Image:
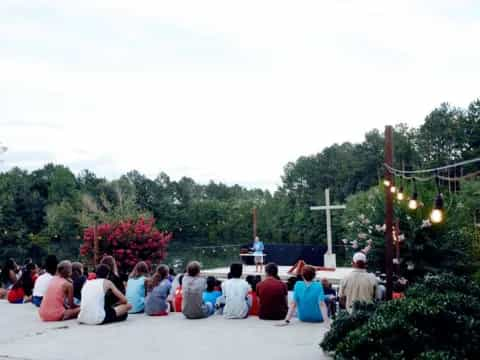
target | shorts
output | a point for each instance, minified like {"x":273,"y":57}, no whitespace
{"x":111,"y":316}
{"x":258,"y":259}
{"x":37,"y":300}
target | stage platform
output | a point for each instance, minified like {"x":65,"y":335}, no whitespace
{"x":333,"y":276}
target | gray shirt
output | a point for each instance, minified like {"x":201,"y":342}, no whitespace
{"x":156,"y":300}
{"x":192,"y":289}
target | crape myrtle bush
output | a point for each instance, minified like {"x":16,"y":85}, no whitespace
{"x":128,"y":241}
{"x":438,"y":319}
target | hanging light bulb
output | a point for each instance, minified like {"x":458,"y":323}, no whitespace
{"x":413,"y":202}
{"x":387,"y":182}
{"x":436,"y":215}
{"x":393,"y":189}
{"x":400,"y":194}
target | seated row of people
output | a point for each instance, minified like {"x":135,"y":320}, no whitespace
{"x":67,"y":292}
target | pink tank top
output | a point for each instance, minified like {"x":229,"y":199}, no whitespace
{"x":52,"y":307}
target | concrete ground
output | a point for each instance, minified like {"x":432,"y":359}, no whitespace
{"x":23,"y":336}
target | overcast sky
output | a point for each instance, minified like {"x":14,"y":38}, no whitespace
{"x":223,"y":90}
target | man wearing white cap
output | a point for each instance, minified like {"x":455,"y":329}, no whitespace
{"x":358,"y":285}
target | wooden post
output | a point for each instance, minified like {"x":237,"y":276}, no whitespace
{"x":254,"y":222}
{"x":389,"y":212}
{"x":397,"y":247}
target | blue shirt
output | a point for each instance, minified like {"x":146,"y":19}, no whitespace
{"x":211,"y":297}
{"x":136,"y":294}
{"x":258,"y":248}
{"x":307,"y":299}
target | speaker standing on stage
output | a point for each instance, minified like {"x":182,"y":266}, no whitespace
{"x":258,"y":254}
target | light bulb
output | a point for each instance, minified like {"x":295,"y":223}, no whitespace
{"x":413,"y":204}
{"x":400,"y":195}
{"x":393,"y":189}
{"x":386,"y":182}
{"x":436,"y":216}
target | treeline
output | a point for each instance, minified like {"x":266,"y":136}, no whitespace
{"x":46,"y":210}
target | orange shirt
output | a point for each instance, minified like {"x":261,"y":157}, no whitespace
{"x":255,"y":303}
{"x":53,"y":308}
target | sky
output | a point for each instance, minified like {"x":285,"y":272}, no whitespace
{"x":228,"y":91}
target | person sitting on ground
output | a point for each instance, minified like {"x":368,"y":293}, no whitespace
{"x":273,"y":295}
{"x":235,"y":290}
{"x":193,"y":287}
{"x":177,"y":294}
{"x":211,"y":293}
{"x":78,"y":280}
{"x":308,"y":299}
{"x":8,"y":277}
{"x":43,"y":281}
{"x":114,"y":277}
{"x":330,"y":296}
{"x":57,"y":303}
{"x":173,"y":291}
{"x":358,"y":285}
{"x":253,"y":281}
{"x":94,"y":310}
{"x":21,"y":291}
{"x":158,"y":288}
{"x":136,"y":287}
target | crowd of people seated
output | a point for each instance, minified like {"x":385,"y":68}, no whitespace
{"x":65,"y":290}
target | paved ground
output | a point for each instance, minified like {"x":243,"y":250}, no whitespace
{"x":24,"y":336}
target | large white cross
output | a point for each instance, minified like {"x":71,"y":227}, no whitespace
{"x":329,"y":257}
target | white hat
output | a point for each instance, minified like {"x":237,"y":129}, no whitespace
{"x":359,"y":256}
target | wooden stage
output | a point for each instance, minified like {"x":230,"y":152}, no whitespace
{"x":333,"y":276}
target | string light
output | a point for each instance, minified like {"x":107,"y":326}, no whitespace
{"x":393,"y":189}
{"x":413,"y":202}
{"x":436,"y":216}
{"x":400,"y":194}
{"x":387,"y":182}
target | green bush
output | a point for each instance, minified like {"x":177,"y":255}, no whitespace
{"x":439,"y":319}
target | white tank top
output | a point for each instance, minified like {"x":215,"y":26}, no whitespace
{"x":92,"y":307}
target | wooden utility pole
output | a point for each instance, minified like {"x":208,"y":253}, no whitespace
{"x":389,"y":211}
{"x":254,"y":222}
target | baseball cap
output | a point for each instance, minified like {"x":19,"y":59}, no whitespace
{"x":359,"y":256}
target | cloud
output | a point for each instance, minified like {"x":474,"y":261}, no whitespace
{"x":220,"y":90}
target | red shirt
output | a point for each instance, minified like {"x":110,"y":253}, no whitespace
{"x":255,"y":304}
{"x":177,"y":301}
{"x":273,"y":299}
{"x":16,"y":295}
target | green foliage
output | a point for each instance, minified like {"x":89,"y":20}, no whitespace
{"x":439,"y":319}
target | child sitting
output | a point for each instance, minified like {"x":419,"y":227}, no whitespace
{"x":158,"y":288}
{"x":212,"y":293}
{"x":253,"y":281}
{"x":178,"y":295}
{"x":136,"y":287}
{"x":235,"y":290}
{"x":21,"y":291}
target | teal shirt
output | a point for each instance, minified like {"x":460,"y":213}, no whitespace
{"x":307,"y":300}
{"x":136,"y":294}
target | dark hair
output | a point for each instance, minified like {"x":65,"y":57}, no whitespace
{"x":271,"y":269}
{"x":236,"y":270}
{"x":102,"y":271}
{"x":26,"y":281}
{"x":193,"y":268}
{"x":171,"y":271}
{"x":291,"y":282}
{"x":180,"y":279}
{"x":110,"y":261}
{"x":308,"y":273}
{"x":51,"y":263}
{"x":77,"y":269}
{"x":253,"y":281}
{"x":9,"y":266}
{"x":211,"y":283}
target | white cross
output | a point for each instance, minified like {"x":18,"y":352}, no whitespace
{"x":329,"y":260}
